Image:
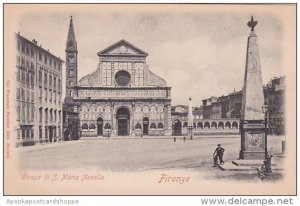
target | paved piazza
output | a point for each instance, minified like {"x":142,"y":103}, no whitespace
{"x":128,"y":154}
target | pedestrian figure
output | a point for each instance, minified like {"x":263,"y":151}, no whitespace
{"x":218,"y":154}
{"x":184,"y":138}
{"x":174,"y":139}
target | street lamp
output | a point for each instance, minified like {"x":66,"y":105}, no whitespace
{"x":267,"y":162}
{"x":265,"y":111}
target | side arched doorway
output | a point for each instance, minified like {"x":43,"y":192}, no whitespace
{"x":145,"y":126}
{"x":177,"y":127}
{"x":99,"y":126}
{"x":123,"y":117}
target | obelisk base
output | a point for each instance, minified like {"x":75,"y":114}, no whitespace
{"x":253,"y":140}
{"x":190,"y":132}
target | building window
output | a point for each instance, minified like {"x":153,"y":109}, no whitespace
{"x":18,"y":75}
{"x":23,"y":133}
{"x":22,"y":62}
{"x":153,"y":126}
{"x":51,"y":116}
{"x":32,"y":66}
{"x":22,"y":94}
{"x":50,"y":96}
{"x":28,"y":113}
{"x":58,"y":84}
{"x":54,"y":83}
{"x":46,"y":132}
{"x":160,"y":126}
{"x":27,"y":133}
{"x":84,"y":126}
{"x":32,"y":79}
{"x":59,"y":116}
{"x":138,"y":126}
{"x":45,"y":79}
{"x":50,"y":81}
{"x":18,"y":113}
{"x":40,"y":94}
{"x":46,"y":115}
{"x":23,"y":48}
{"x":40,"y":114}
{"x":27,"y":64}
{"x":32,"y":52}
{"x":46,"y":59}
{"x":40,"y":56}
{"x":27,"y":49}
{"x":92,"y":126}
{"x":27,"y":77}
{"x":22,"y":118}
{"x":40,"y":77}
{"x":18,"y":45}
{"x":18,"y":93}
{"x":28,"y":96}
{"x":32,"y":96}
{"x":107,"y":126}
{"x":32,"y":114}
{"x":40,"y":132}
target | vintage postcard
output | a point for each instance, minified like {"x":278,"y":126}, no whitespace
{"x":149,"y":99}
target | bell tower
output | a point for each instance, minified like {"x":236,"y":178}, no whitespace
{"x":71,"y":61}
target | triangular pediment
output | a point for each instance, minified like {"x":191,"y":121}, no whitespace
{"x":122,"y":47}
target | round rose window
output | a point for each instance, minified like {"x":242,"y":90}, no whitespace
{"x":122,"y":78}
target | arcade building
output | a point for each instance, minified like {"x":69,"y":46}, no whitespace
{"x":122,"y":97}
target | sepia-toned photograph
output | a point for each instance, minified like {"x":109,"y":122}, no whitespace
{"x":149,"y":99}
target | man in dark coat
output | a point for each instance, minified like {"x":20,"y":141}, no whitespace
{"x":218,"y":154}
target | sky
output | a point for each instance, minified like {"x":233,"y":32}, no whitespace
{"x":199,"y":52}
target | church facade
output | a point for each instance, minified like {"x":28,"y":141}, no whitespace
{"x":122,"y":97}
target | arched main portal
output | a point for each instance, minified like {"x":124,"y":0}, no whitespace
{"x":123,"y":117}
{"x":99,"y":126}
{"x":145,"y":126}
{"x":177,"y":127}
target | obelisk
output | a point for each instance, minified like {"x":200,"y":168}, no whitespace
{"x":252,"y":117}
{"x":190,"y":120}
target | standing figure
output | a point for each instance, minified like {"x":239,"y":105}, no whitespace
{"x":184,"y":138}
{"x":218,"y":154}
{"x":174,"y":139}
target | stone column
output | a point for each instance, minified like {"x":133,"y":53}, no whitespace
{"x":132,"y":117}
{"x":113,"y":125}
{"x":190,"y":120}
{"x":252,"y":117}
{"x":168,"y":121}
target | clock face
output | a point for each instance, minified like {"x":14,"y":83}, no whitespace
{"x":70,"y":44}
